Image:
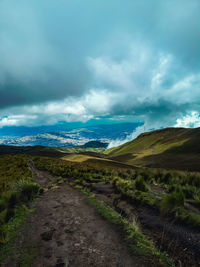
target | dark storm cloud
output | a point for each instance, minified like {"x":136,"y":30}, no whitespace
{"x":103,"y":57}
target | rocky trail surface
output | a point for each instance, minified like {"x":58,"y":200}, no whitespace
{"x":68,"y":232}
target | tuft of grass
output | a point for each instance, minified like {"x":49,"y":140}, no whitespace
{"x":171,"y":202}
{"x":188,"y":217}
{"x":137,"y":242}
{"x":11,"y":200}
{"x":136,"y":191}
{"x":10,"y":231}
{"x":29,"y":191}
{"x":9,"y":214}
{"x":140,"y":184}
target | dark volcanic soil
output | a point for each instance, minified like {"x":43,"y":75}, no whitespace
{"x":181,"y":243}
{"x":69,"y":232}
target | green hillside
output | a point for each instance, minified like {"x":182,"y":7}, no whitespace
{"x":176,"y":148}
{"x":47,"y":151}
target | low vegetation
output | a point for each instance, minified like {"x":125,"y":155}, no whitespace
{"x":178,"y":187}
{"x":175,"y":195}
{"x":12,"y":170}
{"x":16,"y":191}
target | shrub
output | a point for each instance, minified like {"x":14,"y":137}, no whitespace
{"x":9,"y":214}
{"x":29,"y":191}
{"x":173,"y":188}
{"x":3,"y":236}
{"x":158,"y":175}
{"x":190,"y":218}
{"x":140,"y":184}
{"x":170,"y":202}
{"x":167,"y":177}
{"x":13,"y":200}
{"x":190,"y":191}
{"x":146,"y":175}
{"x":193,"y":179}
{"x":141,"y":198}
{"x":2,"y":204}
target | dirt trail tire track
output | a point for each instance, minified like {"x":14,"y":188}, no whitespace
{"x":69,"y":232}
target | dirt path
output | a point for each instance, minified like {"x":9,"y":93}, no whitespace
{"x":68,"y":232}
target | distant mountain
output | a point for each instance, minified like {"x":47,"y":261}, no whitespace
{"x":69,"y":137}
{"x":173,"y":148}
{"x":95,"y":144}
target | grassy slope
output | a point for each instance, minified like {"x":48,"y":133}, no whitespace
{"x":46,"y":151}
{"x":95,"y":159}
{"x":176,"y":148}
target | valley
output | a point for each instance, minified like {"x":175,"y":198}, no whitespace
{"x":63,"y":137}
{"x":89,"y":207}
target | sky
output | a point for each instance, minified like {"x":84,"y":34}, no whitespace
{"x":79,"y":61}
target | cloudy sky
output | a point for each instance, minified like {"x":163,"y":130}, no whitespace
{"x":75,"y":60}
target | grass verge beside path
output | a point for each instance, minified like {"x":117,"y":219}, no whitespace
{"x":137,"y":242}
{"x":13,"y":228}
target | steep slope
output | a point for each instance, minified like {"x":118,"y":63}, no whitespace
{"x":176,"y":148}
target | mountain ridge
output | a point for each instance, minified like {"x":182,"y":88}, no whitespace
{"x":176,"y":148}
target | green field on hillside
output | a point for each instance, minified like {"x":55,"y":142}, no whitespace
{"x":172,"y":148}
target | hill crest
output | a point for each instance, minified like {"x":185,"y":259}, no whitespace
{"x":176,"y":148}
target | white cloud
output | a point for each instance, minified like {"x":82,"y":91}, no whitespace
{"x":145,"y":78}
{"x":70,"y":109}
{"x":160,"y":72}
{"x":191,"y":120}
{"x":99,"y":101}
{"x":112,"y":73}
{"x":118,"y":142}
{"x":137,"y":85}
{"x":16,"y":120}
